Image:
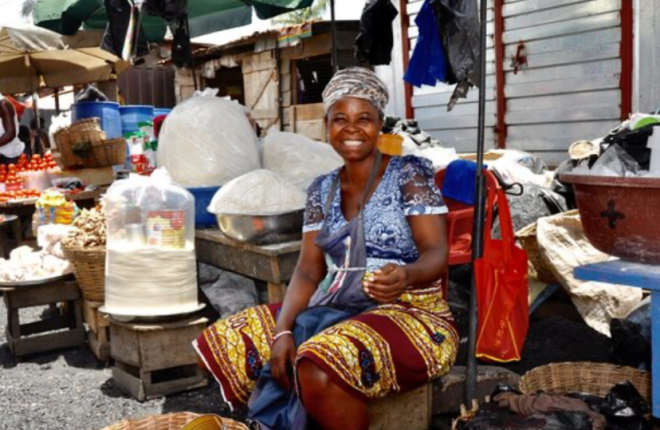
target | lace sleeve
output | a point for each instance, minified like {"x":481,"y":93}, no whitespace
{"x":314,"y":207}
{"x":420,"y":194}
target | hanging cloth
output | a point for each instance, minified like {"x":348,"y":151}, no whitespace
{"x":373,"y":45}
{"x":182,"y":55}
{"x":458,"y":25}
{"x":339,"y":297}
{"x":121,"y":18}
{"x":428,"y":64}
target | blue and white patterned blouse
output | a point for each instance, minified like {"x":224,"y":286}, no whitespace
{"x":407,"y":188}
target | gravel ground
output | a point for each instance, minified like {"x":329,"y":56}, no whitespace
{"x":71,"y":390}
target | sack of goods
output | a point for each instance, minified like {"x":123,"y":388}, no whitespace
{"x":299,"y":158}
{"x":207,"y":141}
{"x":151,"y":267}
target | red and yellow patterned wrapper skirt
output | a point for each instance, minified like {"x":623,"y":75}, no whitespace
{"x":390,"y":348}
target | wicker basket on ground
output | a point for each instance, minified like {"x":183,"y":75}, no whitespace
{"x":586,"y":377}
{"x":89,"y":268}
{"x":175,"y":421}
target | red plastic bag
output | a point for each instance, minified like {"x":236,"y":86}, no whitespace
{"x":502,"y":290}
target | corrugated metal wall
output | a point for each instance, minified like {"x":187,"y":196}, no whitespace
{"x":457,"y":128}
{"x":570,"y":89}
{"x":148,"y":86}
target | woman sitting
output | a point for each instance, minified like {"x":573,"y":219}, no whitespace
{"x":363,"y":315}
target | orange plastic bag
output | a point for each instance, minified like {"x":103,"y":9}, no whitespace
{"x":502,"y":290}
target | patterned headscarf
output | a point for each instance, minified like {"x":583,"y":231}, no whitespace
{"x":356,"y":82}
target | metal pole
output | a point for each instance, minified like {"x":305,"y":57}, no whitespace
{"x":57,"y":101}
{"x":478,"y":227}
{"x":280,"y":99}
{"x":333,"y":31}
{"x":37,"y":136}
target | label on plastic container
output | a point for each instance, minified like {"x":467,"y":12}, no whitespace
{"x":166,"y":229}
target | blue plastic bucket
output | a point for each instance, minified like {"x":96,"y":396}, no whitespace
{"x":132,"y":115}
{"x":161,"y":111}
{"x":203,"y":197}
{"x":107,"y":112}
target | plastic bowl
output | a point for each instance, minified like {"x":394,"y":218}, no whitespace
{"x":620,"y":215}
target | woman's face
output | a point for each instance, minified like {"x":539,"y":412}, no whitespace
{"x":353,"y":127}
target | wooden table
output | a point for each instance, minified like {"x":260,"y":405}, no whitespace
{"x":638,"y":275}
{"x":35,"y":337}
{"x":273,"y":264}
{"x":25,"y":209}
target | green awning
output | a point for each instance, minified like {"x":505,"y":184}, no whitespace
{"x":205,"y":16}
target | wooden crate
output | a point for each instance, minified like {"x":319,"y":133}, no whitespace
{"x":62,"y":330}
{"x":98,"y":333}
{"x":155,"y":360}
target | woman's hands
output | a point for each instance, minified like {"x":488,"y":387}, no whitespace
{"x":387,"y":283}
{"x":282,"y":359}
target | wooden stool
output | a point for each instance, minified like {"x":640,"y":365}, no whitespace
{"x":154,"y":360}
{"x":69,"y":317}
{"x":98,"y":335}
{"x":409,"y":411}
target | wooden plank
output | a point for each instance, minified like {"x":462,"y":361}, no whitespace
{"x":129,"y":383}
{"x":563,"y":86}
{"x":574,"y":100}
{"x":46,"y":294}
{"x":312,"y":129}
{"x":245,"y":261}
{"x":168,"y":348}
{"x":286,"y":98}
{"x":276,"y":292}
{"x":567,"y":42}
{"x":574,"y":26}
{"x":49,"y":342}
{"x":310,"y":112}
{"x":124,"y":344}
{"x":312,"y":47}
{"x":563,"y":13}
{"x":92,"y":316}
{"x":583,"y":113}
{"x":260,"y":114}
{"x":154,"y":391}
{"x":99,"y":344}
{"x":441,"y":99}
{"x":572,"y":56}
{"x":50,"y":324}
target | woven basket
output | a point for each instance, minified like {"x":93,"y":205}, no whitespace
{"x":171,"y":422}
{"x":529,"y":242}
{"x":100,"y":154}
{"x":586,"y":377}
{"x":89,"y":268}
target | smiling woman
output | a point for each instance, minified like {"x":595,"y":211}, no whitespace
{"x":363,"y":315}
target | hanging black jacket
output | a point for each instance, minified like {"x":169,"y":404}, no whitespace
{"x":373,"y":45}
